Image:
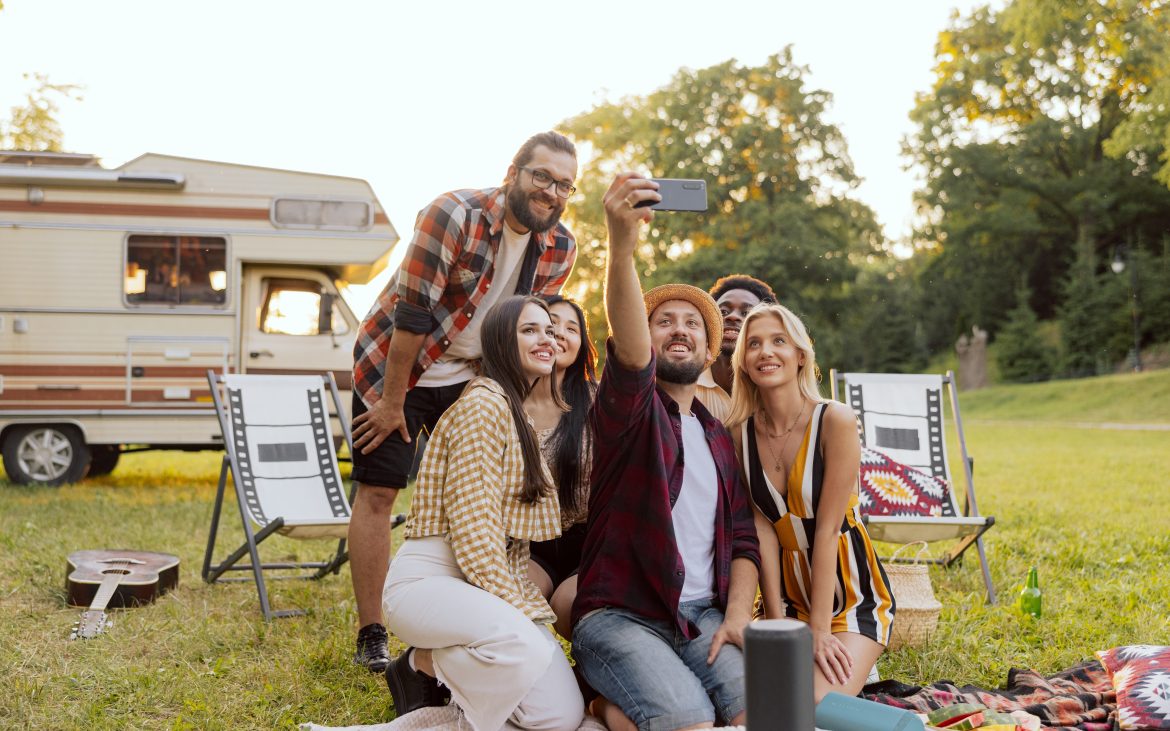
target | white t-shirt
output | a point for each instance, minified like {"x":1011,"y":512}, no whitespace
{"x":452,"y":367}
{"x":694,"y":513}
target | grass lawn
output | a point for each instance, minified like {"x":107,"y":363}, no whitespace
{"x":1131,"y":398}
{"x":1088,"y":506}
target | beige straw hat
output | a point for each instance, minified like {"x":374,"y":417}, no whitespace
{"x":712,"y":318}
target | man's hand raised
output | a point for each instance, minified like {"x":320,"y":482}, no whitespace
{"x":621,"y":217}
{"x":623,"y":290}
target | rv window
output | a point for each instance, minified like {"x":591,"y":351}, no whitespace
{"x":176,"y":270}
{"x":315,"y":213}
{"x":300,"y":307}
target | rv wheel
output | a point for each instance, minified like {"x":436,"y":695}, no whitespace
{"x":103,"y":458}
{"x":45,"y":454}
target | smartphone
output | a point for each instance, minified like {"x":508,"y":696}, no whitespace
{"x":679,"y":194}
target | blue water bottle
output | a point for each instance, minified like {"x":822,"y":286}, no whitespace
{"x":840,"y":712}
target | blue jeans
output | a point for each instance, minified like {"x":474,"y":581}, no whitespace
{"x":660,"y":679}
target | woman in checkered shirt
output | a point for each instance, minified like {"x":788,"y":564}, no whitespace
{"x":458,"y":590}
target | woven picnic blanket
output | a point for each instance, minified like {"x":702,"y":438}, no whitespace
{"x":1079,"y":698}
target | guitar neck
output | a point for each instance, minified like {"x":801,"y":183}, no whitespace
{"x":105,"y":591}
{"x":93,"y":620}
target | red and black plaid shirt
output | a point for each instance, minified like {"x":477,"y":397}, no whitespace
{"x":630,"y":559}
{"x":447,"y":269}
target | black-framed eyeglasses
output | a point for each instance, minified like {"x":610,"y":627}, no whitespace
{"x":542,"y":180}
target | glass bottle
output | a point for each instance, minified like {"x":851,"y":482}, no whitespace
{"x":1030,"y":598}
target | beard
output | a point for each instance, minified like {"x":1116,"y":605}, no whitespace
{"x":517,"y":201}
{"x":683,"y":374}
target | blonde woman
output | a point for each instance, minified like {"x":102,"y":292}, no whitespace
{"x":800,"y":456}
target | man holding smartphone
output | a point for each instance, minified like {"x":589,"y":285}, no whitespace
{"x":670,"y":562}
{"x":420,"y":343}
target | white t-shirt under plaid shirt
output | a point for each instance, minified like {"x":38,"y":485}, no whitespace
{"x":468,"y":491}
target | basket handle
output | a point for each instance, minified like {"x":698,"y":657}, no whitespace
{"x":917,"y":556}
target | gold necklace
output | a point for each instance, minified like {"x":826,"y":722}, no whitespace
{"x":785,"y":434}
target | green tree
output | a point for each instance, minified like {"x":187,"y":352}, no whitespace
{"x":1154,"y":289}
{"x":1144,"y":135}
{"x":883,"y":322}
{"x":1012,"y":136}
{"x":1080,"y":323}
{"x":34,"y":125}
{"x":1094,"y":319}
{"x":1021,"y":353}
{"x":778,"y":181}
{"x":1141,"y":290}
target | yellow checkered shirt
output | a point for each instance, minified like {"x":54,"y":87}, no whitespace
{"x":468,"y":491}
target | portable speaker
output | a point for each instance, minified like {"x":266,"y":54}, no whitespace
{"x":777,"y":655}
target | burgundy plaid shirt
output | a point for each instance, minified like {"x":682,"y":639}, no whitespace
{"x":630,"y":559}
{"x":447,"y":269}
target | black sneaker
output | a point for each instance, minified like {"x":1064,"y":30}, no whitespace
{"x":372,"y":651}
{"x":412,"y":690}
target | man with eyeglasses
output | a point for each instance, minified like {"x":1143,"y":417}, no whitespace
{"x":420,"y":343}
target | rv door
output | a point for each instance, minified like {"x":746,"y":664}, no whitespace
{"x":295,"y":322}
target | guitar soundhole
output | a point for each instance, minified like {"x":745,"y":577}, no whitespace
{"x":123,"y":572}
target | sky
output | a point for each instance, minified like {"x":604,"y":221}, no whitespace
{"x":423,"y":97}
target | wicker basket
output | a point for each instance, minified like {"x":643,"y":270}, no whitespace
{"x":917,"y":609}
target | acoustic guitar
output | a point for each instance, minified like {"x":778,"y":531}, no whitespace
{"x":102,"y":579}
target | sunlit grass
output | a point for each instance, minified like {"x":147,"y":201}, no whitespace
{"x":201,"y":657}
{"x":1122,"y":398}
{"x":1088,"y":506}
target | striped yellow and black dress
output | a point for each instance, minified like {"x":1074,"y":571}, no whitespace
{"x":862,"y":600}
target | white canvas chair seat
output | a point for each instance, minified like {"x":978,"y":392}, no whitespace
{"x":909,"y":528}
{"x":901,"y":416}
{"x":279,"y":450}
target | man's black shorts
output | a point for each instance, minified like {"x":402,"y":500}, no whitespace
{"x":389,"y":465}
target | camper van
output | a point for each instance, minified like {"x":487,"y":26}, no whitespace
{"x":121,"y":287}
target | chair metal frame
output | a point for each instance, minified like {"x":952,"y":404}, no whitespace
{"x":253,"y":538}
{"x":970,"y":505}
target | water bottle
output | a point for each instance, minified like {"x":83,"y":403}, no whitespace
{"x":839,"y":712}
{"x":1030,"y":595}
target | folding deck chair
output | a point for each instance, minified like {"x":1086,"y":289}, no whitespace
{"x":280,"y":452}
{"x":901,"y":417}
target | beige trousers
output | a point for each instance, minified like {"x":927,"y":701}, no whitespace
{"x":504,"y":671}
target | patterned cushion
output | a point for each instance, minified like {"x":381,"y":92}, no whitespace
{"x":892,"y":488}
{"x":1141,"y":677}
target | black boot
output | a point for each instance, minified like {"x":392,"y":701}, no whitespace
{"x":411,"y":689}
{"x":372,"y":651}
